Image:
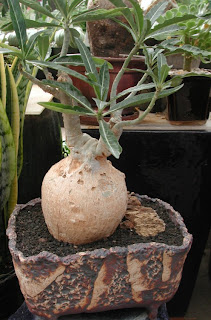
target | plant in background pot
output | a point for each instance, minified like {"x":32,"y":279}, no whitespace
{"x":85,"y":199}
{"x":14,"y":94}
{"x":191,"y":44}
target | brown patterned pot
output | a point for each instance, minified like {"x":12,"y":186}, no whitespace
{"x":139,"y":275}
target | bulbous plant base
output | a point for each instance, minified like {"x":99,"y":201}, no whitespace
{"x":83,"y":203}
{"x":133,"y":276}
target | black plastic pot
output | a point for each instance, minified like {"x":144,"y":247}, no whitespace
{"x":190,"y":105}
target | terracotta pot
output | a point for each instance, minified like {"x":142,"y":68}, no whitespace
{"x":139,"y":275}
{"x":190,"y":105}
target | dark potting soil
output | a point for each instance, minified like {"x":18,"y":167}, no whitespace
{"x":33,"y":236}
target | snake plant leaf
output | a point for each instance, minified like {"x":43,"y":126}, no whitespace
{"x":33,"y":4}
{"x":3,"y":86}
{"x":59,"y":107}
{"x":104,"y":80}
{"x":55,"y":66}
{"x":18,"y":23}
{"x":156,"y":11}
{"x":140,"y":99}
{"x":109,"y":139}
{"x":8,"y":155}
{"x":72,"y":92}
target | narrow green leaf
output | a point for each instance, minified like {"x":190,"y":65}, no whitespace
{"x":161,"y":33}
{"x":73,"y":5}
{"x":18,"y":23}
{"x":109,"y":139}
{"x":76,"y":60}
{"x":12,"y":50}
{"x":3,"y":85}
{"x":59,"y":107}
{"x":105,"y":81}
{"x":146,"y":86}
{"x":55,"y":66}
{"x":61,"y":5}
{"x":43,"y":46}
{"x":72,"y":92}
{"x":33,"y":4}
{"x":156,"y":11}
{"x":87,"y":58}
{"x":31,"y":42}
{"x":139,"y":17}
{"x":126,"y":13}
{"x":94,"y":15}
{"x":31,"y":24}
{"x":140,"y":99}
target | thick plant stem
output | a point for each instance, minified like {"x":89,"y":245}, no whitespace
{"x":187,"y":63}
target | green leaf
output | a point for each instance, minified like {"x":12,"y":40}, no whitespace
{"x":126,"y":13}
{"x":31,"y":24}
{"x":18,"y":23}
{"x":137,"y":88}
{"x":139,"y":17}
{"x":105,"y":81}
{"x":73,"y":5}
{"x":31,"y":42}
{"x":140,"y":99}
{"x":61,"y":5}
{"x":8,"y":163}
{"x":43,"y":45}
{"x":163,"y":68}
{"x":59,"y":107}
{"x":76,"y":60}
{"x":87,"y":58}
{"x":156,"y":11}
{"x":12,"y":50}
{"x":37,"y":7}
{"x":94,"y":15}
{"x":55,"y":66}
{"x":72,"y":92}
{"x":163,"y":32}
{"x":109,"y":139}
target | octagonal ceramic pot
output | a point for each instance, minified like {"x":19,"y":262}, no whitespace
{"x":139,"y":275}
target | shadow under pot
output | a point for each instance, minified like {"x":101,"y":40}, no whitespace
{"x":190,"y":105}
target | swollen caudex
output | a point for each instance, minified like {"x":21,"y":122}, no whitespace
{"x":83,"y":203}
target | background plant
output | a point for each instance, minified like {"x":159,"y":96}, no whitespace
{"x":193,"y":38}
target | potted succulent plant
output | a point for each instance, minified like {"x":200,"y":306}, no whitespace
{"x":190,"y":45}
{"x":84,"y":198}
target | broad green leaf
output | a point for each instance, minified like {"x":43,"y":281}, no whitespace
{"x":109,"y":139}
{"x":55,"y":66}
{"x":59,"y":107}
{"x":37,"y":7}
{"x":72,"y":92}
{"x":156,"y":11}
{"x":104,"y":80}
{"x":8,"y":163}
{"x":18,"y":23}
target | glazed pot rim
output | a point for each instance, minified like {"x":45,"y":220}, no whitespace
{"x":102,"y":252}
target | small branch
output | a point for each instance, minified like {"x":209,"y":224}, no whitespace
{"x":141,"y":116}
{"x":39,"y":83}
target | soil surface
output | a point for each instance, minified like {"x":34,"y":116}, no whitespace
{"x":33,"y":236}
